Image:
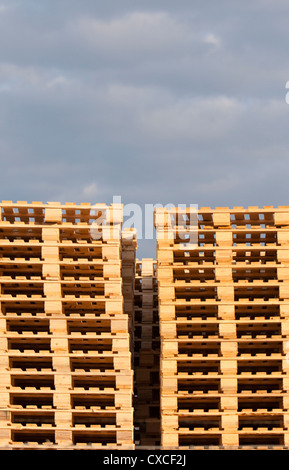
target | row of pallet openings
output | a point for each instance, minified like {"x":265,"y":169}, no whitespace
{"x":187,"y":297}
{"x":64,"y":252}
{"x":209,"y":274}
{"x":73,"y":307}
{"x":15,"y":324}
{"x":87,"y":213}
{"x":81,"y":272}
{"x":235,"y":237}
{"x":38,"y":213}
{"x":221,"y":217}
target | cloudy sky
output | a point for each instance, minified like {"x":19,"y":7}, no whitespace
{"x":157,"y":101}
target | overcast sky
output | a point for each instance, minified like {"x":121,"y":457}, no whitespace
{"x":157,"y":101}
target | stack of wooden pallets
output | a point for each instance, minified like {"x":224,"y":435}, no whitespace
{"x":205,"y":328}
{"x":128,"y":268}
{"x":224,"y":326}
{"x":146,"y":356}
{"x":66,"y":378}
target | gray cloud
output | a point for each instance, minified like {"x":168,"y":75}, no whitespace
{"x":155,"y":101}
